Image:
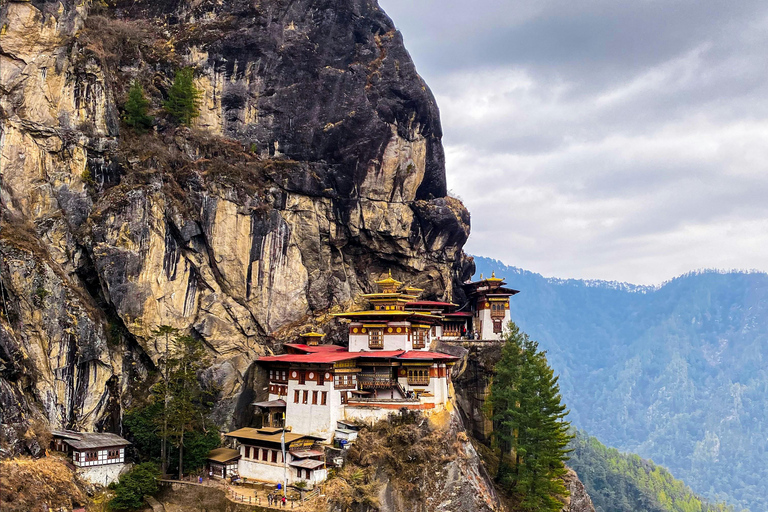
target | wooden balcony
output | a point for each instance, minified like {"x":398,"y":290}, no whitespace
{"x":376,"y":381}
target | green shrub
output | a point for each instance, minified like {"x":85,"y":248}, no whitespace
{"x":87,"y":177}
{"x":133,"y":486}
{"x":40,"y":294}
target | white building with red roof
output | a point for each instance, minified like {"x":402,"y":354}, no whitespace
{"x":390,"y":365}
{"x":387,"y":367}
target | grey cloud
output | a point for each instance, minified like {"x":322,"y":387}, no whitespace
{"x":603,"y":139}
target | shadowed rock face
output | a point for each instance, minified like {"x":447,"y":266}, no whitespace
{"x":315,"y":165}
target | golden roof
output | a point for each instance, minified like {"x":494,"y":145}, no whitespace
{"x":493,"y":277}
{"x":388,"y":296}
{"x":388,"y":280}
{"x":387,"y":313}
{"x":312,"y":334}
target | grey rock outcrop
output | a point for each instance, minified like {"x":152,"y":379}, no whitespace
{"x":315,"y":165}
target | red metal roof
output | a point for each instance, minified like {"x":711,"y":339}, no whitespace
{"x":311,"y":349}
{"x":332,"y":357}
{"x":459,"y":313}
{"x":422,"y":354}
{"x":320,"y":357}
{"x":380,"y":353}
{"x":430,"y":303}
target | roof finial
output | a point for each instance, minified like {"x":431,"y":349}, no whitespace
{"x":390,"y":272}
{"x":481,"y":276}
{"x":493,"y":274}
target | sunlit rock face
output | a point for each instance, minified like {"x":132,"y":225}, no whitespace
{"x":315,"y":166}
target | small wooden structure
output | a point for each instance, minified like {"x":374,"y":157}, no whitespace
{"x":98,"y":456}
{"x":222,"y":462}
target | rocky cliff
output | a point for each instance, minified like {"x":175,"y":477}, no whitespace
{"x":315,"y":165}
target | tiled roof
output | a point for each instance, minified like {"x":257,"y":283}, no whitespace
{"x":379,"y":353}
{"x":270,"y":403}
{"x":91,"y":440}
{"x":255,"y":434}
{"x":320,"y":357}
{"x":332,"y":357}
{"x":423,"y":354}
{"x":223,"y":454}
{"x":430,"y":303}
{"x":307,"y":463}
{"x":303,"y":454}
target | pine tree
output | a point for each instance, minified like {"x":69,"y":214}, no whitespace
{"x":530,"y":430}
{"x":189,"y":402}
{"x":183,"y":97}
{"x":164,"y":332}
{"x":136,"y":109}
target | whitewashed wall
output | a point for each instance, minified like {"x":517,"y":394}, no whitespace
{"x":78,"y":458}
{"x":104,"y":474}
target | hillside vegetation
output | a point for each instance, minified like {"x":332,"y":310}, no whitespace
{"x":619,"y":482}
{"x":676,"y":374}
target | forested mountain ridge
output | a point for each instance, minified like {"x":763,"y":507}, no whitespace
{"x":675,"y":373}
{"x":621,"y":482}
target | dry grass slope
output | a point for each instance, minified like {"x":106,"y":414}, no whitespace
{"x":27,"y":484}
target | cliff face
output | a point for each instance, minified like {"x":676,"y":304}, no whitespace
{"x":315,"y":165}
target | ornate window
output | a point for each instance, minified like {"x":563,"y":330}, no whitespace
{"x":497,"y":309}
{"x":419,"y":338}
{"x":375,"y":338}
{"x":418,"y":376}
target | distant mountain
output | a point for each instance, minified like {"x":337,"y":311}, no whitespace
{"x":675,"y":373}
{"x":620,"y":482}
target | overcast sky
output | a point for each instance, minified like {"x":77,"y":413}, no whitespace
{"x":622,"y":140}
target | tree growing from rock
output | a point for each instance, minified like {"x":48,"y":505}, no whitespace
{"x":530,"y":430}
{"x":183,"y":97}
{"x":136,"y":109}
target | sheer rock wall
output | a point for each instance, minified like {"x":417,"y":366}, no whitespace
{"x":315,"y":166}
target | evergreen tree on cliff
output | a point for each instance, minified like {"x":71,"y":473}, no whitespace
{"x":530,"y":430}
{"x":183,"y":97}
{"x":136,"y":109}
{"x":189,"y":403}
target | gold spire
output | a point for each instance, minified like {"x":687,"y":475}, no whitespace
{"x":494,"y":278}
